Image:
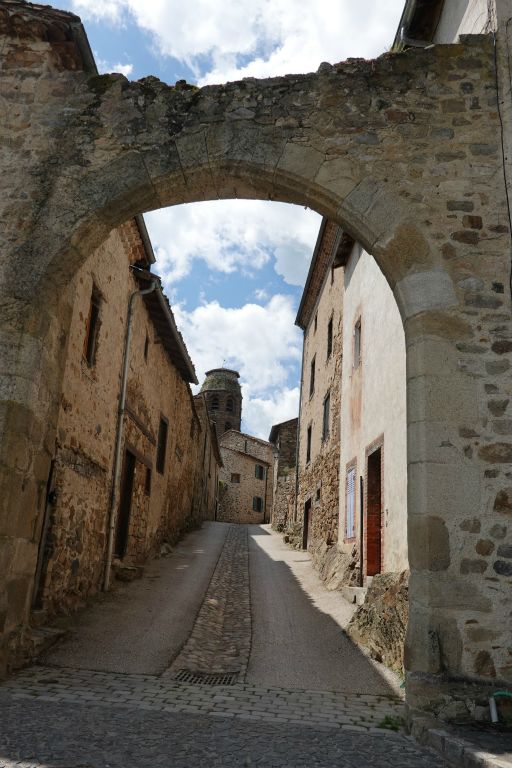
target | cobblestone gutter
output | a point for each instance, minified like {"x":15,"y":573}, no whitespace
{"x":220,"y":642}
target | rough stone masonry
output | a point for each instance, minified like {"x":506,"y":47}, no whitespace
{"x":404,"y":152}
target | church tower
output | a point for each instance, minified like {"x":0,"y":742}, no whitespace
{"x":224,"y":399}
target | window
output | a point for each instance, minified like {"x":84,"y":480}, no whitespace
{"x":257,"y":504}
{"x":316,"y":323}
{"x":308,"y":446}
{"x":318,"y":493}
{"x":350,"y":507}
{"x":147,"y":482}
{"x":146,"y":348}
{"x":312,"y":377}
{"x":326,"y":415}
{"x":329,"y":339}
{"x":230,"y":405}
{"x":161,"y":445}
{"x":235,"y":477}
{"x":93,"y":326}
{"x":215,"y":403}
{"x":228,"y":425}
{"x":259,"y":472}
{"x":357,"y":344}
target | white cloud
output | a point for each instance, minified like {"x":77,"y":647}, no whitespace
{"x":260,"y":413}
{"x":261,"y":342}
{"x":105,"y":66}
{"x":258,"y":38}
{"x":228,"y":235}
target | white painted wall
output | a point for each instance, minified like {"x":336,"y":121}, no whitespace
{"x":464,"y":17}
{"x":373,"y":400}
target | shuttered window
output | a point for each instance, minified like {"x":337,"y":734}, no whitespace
{"x":350,"y":508}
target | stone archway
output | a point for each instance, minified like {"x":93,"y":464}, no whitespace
{"x":405,"y":153}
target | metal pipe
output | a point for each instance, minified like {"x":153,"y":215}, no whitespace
{"x":116,"y":470}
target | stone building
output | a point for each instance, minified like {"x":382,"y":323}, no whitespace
{"x":246,"y":479}
{"x":284,"y":439}
{"x":208,"y":477}
{"x":320,"y":317}
{"x":409,"y":153}
{"x":224,"y":398}
{"x":158,"y":469}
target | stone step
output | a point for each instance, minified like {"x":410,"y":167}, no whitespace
{"x":354,"y":595}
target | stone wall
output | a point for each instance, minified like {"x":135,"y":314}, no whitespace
{"x":406,"y":153}
{"x":284,"y":439}
{"x":319,"y":477}
{"x":380,"y":623}
{"x":241,"y":454}
{"x":74,"y":540}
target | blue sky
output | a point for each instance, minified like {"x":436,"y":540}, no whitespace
{"x":234,"y":270}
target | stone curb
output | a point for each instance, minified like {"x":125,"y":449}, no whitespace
{"x":458,"y":752}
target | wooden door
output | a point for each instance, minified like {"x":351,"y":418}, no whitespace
{"x":125,"y":505}
{"x":374,"y":513}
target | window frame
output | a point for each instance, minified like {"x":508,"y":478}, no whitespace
{"x":161,"y":444}
{"x":235,"y":475}
{"x":312,"y":371}
{"x":259,"y":471}
{"x":357,"y":345}
{"x":329,"y":337}
{"x":350,"y":517}
{"x":257,"y":504}
{"x":309,"y":440}
{"x":92,"y":327}
{"x":326,"y":417}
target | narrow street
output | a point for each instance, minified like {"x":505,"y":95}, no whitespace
{"x":230,"y":631}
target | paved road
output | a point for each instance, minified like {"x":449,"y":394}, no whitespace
{"x":108,"y":698}
{"x":141,"y":626}
{"x":297,"y":634}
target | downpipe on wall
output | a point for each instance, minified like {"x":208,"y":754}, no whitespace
{"x":116,"y":471}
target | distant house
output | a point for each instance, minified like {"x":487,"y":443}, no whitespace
{"x":246,"y":479}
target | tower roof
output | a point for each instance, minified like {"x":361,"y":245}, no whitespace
{"x":221,"y":379}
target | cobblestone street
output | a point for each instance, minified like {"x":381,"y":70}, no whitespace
{"x":55,"y":714}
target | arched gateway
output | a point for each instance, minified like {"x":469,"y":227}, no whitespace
{"x":405,"y":152}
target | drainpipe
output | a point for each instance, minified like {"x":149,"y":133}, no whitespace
{"x":116,"y":471}
{"x":297,"y":449}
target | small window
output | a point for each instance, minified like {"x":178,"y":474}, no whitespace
{"x":329,"y":339}
{"x":147,"y":482}
{"x":257,"y":504}
{"x":350,"y":504}
{"x":318,"y":494}
{"x":93,"y":326}
{"x":259,"y":472}
{"x":146,"y":348}
{"x":228,"y":425}
{"x":161,"y":445}
{"x":215,"y":403}
{"x":326,"y":417}
{"x":316,"y":323}
{"x":312,"y":377}
{"x":235,"y":477}
{"x":357,"y":344}
{"x":230,"y":405}
{"x":308,"y":446}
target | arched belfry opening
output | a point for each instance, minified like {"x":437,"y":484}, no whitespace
{"x":389,"y":149}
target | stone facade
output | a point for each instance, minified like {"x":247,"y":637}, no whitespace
{"x":321,"y":318}
{"x":408,"y":154}
{"x":284,"y":439}
{"x":373,"y":422}
{"x":246,"y":479}
{"x":161,"y":502}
